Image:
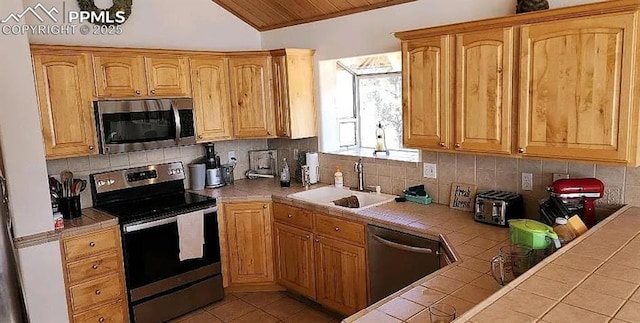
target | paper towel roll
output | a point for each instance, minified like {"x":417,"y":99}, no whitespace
{"x":314,"y":167}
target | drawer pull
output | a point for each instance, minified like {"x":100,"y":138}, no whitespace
{"x":337,"y":228}
{"x":101,"y":319}
{"x":98,"y":292}
{"x":289,"y":216}
{"x":317,"y":240}
{"x":92,"y":244}
{"x":95,"y":266}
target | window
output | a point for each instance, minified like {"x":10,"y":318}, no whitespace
{"x":368,"y":92}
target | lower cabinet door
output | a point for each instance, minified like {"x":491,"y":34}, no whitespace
{"x":112,"y":313}
{"x":294,"y":260}
{"x":341,"y":275}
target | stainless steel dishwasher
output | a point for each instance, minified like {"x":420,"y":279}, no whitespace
{"x":397,"y":259}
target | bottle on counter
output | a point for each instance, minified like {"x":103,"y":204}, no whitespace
{"x":564,"y":232}
{"x":338,"y":179}
{"x":285,"y":174}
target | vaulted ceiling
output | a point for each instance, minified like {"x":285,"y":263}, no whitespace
{"x":272,"y":14}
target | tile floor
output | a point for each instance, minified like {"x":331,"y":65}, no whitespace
{"x":260,"y":307}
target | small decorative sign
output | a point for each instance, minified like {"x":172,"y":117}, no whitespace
{"x":462,"y":196}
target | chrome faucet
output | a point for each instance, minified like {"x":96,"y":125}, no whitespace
{"x":359,"y":168}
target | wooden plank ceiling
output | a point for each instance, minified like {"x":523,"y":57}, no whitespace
{"x":272,"y":14}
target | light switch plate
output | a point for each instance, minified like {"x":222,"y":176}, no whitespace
{"x":231,"y":155}
{"x":430,"y":170}
{"x":527,"y":181}
{"x":296,"y":154}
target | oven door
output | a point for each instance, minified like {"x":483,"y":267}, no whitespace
{"x":152,"y":261}
{"x":133,"y":125}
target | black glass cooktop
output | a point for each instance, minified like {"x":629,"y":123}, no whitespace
{"x":157,"y":206}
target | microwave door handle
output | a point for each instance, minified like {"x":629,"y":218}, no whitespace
{"x":176,"y":117}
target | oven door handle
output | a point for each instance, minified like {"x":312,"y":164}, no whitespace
{"x":148,"y":225}
{"x":176,"y":118}
{"x":401,"y":246}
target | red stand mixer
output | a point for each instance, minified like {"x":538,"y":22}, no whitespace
{"x":579,"y":196}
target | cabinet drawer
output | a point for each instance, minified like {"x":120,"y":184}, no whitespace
{"x":93,"y":267}
{"x":112,"y":313}
{"x":108,"y":288}
{"x":341,"y":229}
{"x":292,"y":215}
{"x":90,"y":244}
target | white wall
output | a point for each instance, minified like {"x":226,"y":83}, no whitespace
{"x":184,"y":24}
{"x":20,"y":137}
{"x":371,"y":32}
{"x":43,"y":282}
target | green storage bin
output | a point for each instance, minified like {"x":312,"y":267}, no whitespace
{"x":532,"y":234}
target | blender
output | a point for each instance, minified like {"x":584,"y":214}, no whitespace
{"x":214,"y":172}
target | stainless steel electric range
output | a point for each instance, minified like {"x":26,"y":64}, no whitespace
{"x":147,"y":201}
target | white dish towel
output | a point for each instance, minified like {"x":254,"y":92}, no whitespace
{"x":191,"y":235}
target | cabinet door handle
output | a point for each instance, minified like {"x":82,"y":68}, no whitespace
{"x":268,"y":133}
{"x":458,"y":145}
{"x":289,"y":216}
{"x":443,"y":145}
{"x":199,"y":136}
{"x":521,"y":150}
{"x":92,"y":147}
{"x":95,"y":266}
{"x":101,"y":320}
{"x":153,"y":92}
{"x":337,"y":228}
{"x":264,"y":206}
{"x":307,"y":237}
{"x":317,"y":240}
{"x":98,"y":292}
{"x":92,"y":244}
{"x":285,"y":133}
{"x":137,"y":92}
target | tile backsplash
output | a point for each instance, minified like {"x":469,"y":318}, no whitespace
{"x":622,"y":184}
{"x":82,"y":167}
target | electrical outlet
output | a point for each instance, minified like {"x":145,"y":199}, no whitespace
{"x":230,"y":155}
{"x":296,"y":154}
{"x":557,"y":176}
{"x":430,"y":170}
{"x":527,"y":181}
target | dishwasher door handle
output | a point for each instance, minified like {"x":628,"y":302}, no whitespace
{"x":401,"y":246}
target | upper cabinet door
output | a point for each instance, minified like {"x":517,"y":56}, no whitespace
{"x":63,"y":83}
{"x":211,"y":95}
{"x":251,"y":99}
{"x":119,"y":76}
{"x":426,"y":90}
{"x":575,"y":88}
{"x":281,"y":97}
{"x":167,"y":75}
{"x":484,"y":72}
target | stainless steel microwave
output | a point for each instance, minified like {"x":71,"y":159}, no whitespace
{"x":132,"y":125}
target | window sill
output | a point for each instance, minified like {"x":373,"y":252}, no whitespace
{"x":398,"y":155}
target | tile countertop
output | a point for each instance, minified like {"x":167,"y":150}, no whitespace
{"x":463,"y":284}
{"x":90,"y":220}
{"x":594,"y":278}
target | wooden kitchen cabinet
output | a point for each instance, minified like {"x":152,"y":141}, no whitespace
{"x":341,"y":275}
{"x":577,"y":88}
{"x":295,"y":264}
{"x":484,"y":100}
{"x":251,"y":96}
{"x":141,"y":75}
{"x":64,"y":90}
{"x":211,"y":98}
{"x":248,"y":243}
{"x":94,"y":276}
{"x":426,"y":96}
{"x":293,"y":93}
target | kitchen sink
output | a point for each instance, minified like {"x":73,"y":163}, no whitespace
{"x":325,"y":195}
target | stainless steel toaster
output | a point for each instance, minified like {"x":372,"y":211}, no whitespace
{"x":497,"y":207}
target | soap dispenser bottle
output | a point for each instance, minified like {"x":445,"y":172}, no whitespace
{"x":338,"y":179}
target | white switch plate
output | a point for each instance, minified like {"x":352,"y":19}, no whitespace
{"x":296,"y":154}
{"x":527,"y":181}
{"x":230,"y":155}
{"x":557,"y":176}
{"x":430,"y":170}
